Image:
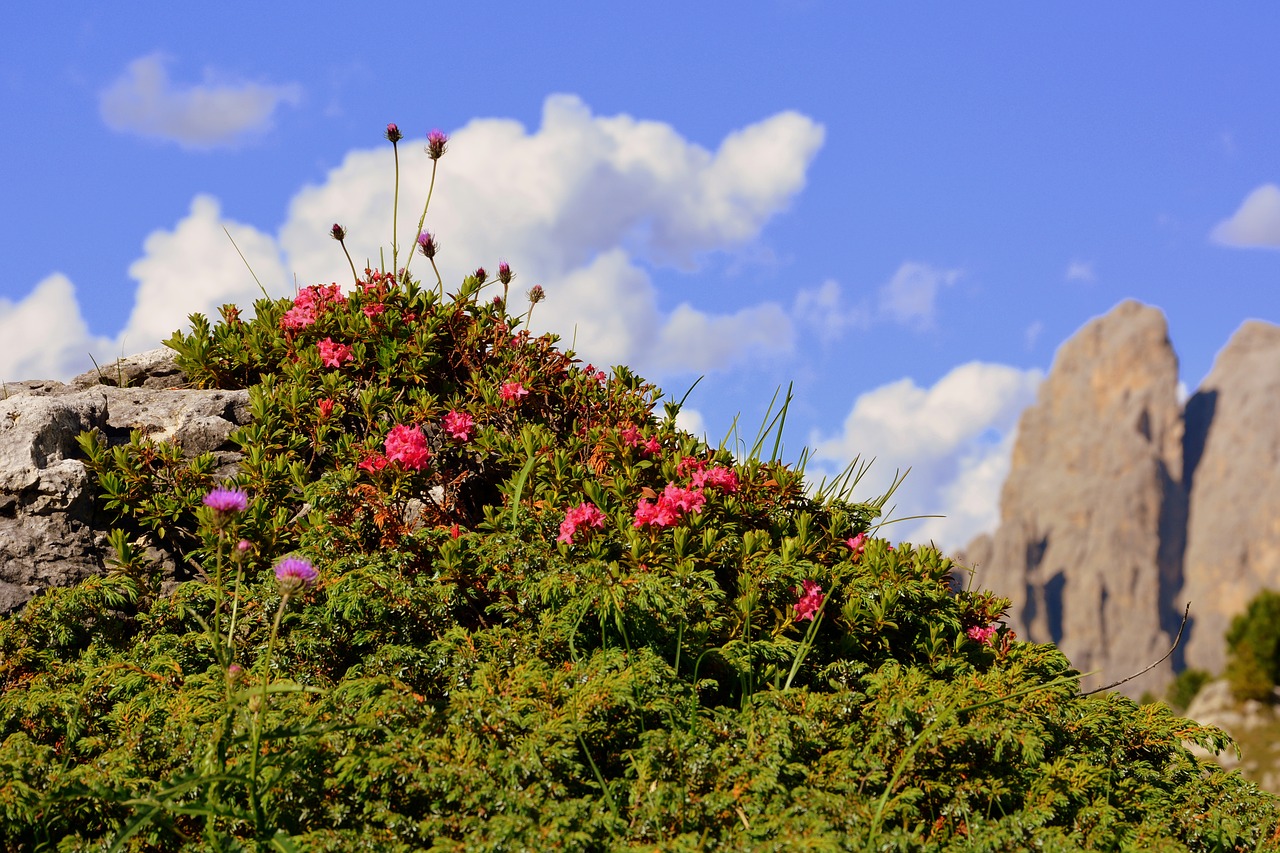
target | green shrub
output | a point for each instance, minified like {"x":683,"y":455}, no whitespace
{"x":1253,"y":648}
{"x":545,"y":618}
{"x":1185,"y":687}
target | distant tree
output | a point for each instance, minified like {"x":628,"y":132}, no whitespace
{"x":1253,"y":648}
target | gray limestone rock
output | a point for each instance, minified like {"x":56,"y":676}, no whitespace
{"x":1089,"y":543}
{"x":1233,"y":471}
{"x":50,"y":534}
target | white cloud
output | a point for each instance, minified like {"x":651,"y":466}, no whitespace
{"x":1033,"y":333}
{"x":1256,"y":224}
{"x":910,"y":297}
{"x":1080,"y":271}
{"x":581,"y":206}
{"x":45,"y":336}
{"x":196,"y":268}
{"x":956,"y":437}
{"x":823,"y":309}
{"x":143,"y":100}
{"x":585,"y":206}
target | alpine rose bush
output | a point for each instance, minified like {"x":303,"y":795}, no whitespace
{"x":461,"y":592}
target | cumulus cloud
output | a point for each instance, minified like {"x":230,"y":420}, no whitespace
{"x":1256,"y":224}
{"x":196,"y":268}
{"x":143,"y":100}
{"x":587,"y":206}
{"x":823,"y":309}
{"x":908,"y":298}
{"x":1079,"y":271}
{"x":911,"y":296}
{"x":45,"y":335}
{"x":956,"y":437}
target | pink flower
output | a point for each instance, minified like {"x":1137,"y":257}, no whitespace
{"x":408,"y":446}
{"x":583,"y":515}
{"x":857,"y":545}
{"x":293,"y":575}
{"x":809,"y":599}
{"x":326,"y":408}
{"x":373,"y":310}
{"x":226,"y":501}
{"x":513,"y":391}
{"x":986,"y":635}
{"x":332,"y":354}
{"x":372,"y":462}
{"x":309,"y":304}
{"x":652,"y":446}
{"x":718,"y":477}
{"x":459,"y":425}
{"x":630,"y":435}
{"x":672,"y":505}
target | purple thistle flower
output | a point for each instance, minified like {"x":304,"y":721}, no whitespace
{"x":436,"y":142}
{"x":293,"y":575}
{"x":427,"y":244}
{"x":227,"y":501}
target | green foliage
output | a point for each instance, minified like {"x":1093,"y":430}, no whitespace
{"x":1185,"y":687}
{"x":1253,"y":648}
{"x":558,"y":622}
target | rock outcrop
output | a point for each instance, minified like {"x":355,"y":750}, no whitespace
{"x":1119,"y":508}
{"x":1233,"y":474}
{"x":50,"y":534}
{"x":1088,"y":543}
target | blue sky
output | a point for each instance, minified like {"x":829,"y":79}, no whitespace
{"x":902,"y":208}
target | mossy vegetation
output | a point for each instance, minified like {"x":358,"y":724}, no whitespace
{"x":546,"y":618}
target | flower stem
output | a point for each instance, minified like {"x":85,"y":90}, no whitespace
{"x":395,"y":210}
{"x":422,"y":219}
{"x":255,"y":732}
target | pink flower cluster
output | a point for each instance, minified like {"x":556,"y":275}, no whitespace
{"x":408,"y":446}
{"x":809,"y":599}
{"x":309,"y":304}
{"x":857,"y":545}
{"x":672,"y":505}
{"x":986,"y":635}
{"x":372,"y":462}
{"x":716,"y":477}
{"x":333,"y":354}
{"x":583,"y":515}
{"x":513,"y":391}
{"x":631,"y":435}
{"x":459,"y":425}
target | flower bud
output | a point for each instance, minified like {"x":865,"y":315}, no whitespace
{"x":504,"y":273}
{"x":427,"y":244}
{"x":436,"y":144}
{"x":337,"y":232}
{"x":536,"y":294}
{"x":480,"y":274}
{"x":393,"y":134}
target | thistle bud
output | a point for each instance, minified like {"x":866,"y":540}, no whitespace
{"x":436,"y":144}
{"x":536,"y":294}
{"x":337,"y":232}
{"x":480,"y":275}
{"x":427,"y":244}
{"x":504,"y":273}
{"x":393,"y":134}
